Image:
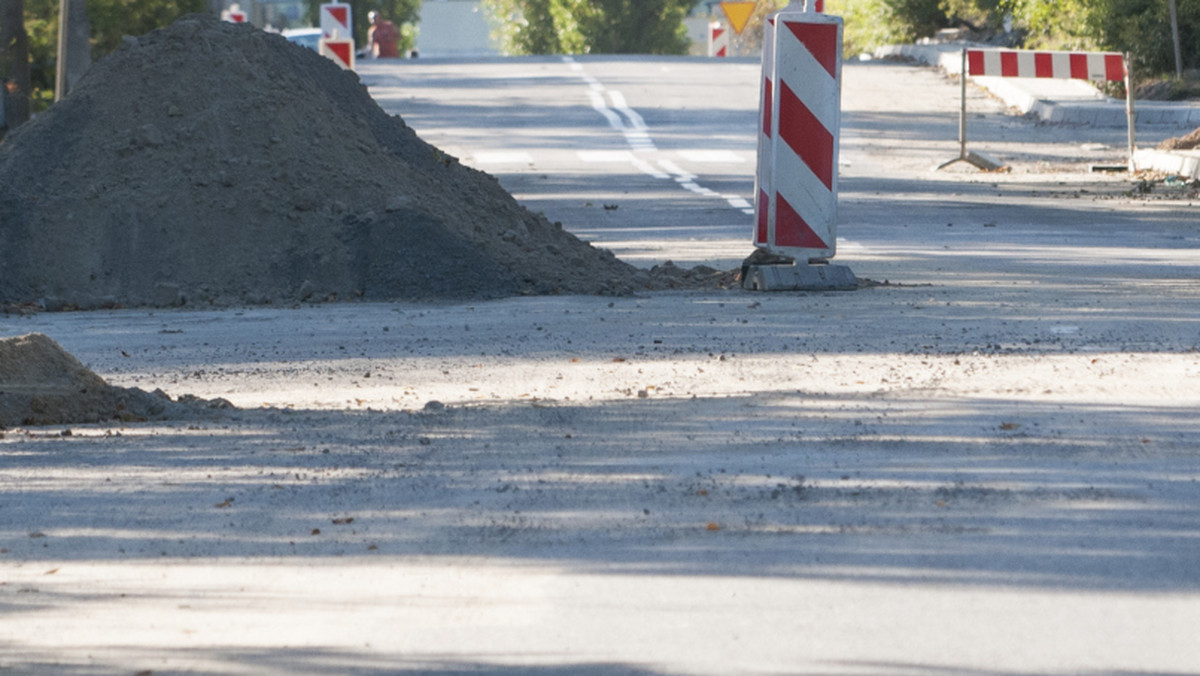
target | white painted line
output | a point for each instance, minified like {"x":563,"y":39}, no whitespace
{"x":672,"y":168}
{"x":697,"y":188}
{"x":605,"y":156}
{"x":711,"y":156}
{"x":618,"y":101}
{"x":647,"y":168}
{"x":619,"y":157}
{"x":503,"y":157}
{"x":614,"y":120}
{"x":739,"y":203}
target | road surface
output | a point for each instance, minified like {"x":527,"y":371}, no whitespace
{"x":987,"y":466}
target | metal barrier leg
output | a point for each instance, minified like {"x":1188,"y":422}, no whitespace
{"x":981,"y":161}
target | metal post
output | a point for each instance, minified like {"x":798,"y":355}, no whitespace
{"x":1175,"y":38}
{"x":962,"y":113}
{"x":1129,"y":112}
{"x":979,"y":161}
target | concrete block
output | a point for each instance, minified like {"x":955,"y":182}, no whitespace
{"x":799,"y":278}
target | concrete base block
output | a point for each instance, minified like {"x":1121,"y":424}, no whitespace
{"x":799,"y":278}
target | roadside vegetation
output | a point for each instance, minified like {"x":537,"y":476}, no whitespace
{"x":591,"y":26}
{"x":1142,"y":28}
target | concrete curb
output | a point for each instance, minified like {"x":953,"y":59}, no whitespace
{"x":1184,"y":163}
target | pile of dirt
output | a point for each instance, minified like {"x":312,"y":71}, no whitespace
{"x":41,"y":384}
{"x":1169,"y":89}
{"x":213,"y":163}
{"x":1186,"y":142}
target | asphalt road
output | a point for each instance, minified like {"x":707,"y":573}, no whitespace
{"x":987,"y":466}
{"x":670,"y":143}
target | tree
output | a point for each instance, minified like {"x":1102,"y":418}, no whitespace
{"x":14,"y":63}
{"x":592,"y":26}
{"x":109,"y":19}
{"x":399,"y":12}
{"x":1142,"y":27}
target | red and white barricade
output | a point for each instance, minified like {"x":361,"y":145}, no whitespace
{"x":337,"y":20}
{"x":235,"y":14}
{"x":796,"y":179}
{"x":337,"y":34}
{"x":718,"y":39}
{"x":1094,"y":66}
{"x":341,"y":51}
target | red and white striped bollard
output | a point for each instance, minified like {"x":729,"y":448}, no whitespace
{"x":796,"y":179}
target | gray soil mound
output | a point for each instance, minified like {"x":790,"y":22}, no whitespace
{"x":1187,"y":142}
{"x":41,"y":384}
{"x":213,"y":163}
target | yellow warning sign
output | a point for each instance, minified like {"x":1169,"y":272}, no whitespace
{"x":738,"y":13}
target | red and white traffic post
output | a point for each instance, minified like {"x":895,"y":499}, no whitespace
{"x":718,"y":39}
{"x":234,"y":14}
{"x":337,"y":34}
{"x":796,"y":179}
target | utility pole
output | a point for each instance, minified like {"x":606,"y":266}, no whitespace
{"x":15,"y":80}
{"x":1175,"y":36}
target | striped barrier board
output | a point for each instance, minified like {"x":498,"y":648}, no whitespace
{"x":796,"y":178}
{"x":1095,"y":66}
{"x":337,"y":20}
{"x":341,"y":51}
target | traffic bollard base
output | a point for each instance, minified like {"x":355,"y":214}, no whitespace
{"x":799,"y":278}
{"x":978,"y":160}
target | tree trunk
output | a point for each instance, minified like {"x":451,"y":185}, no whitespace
{"x":14,"y":63}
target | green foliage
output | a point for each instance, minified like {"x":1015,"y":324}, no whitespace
{"x":41,"y":23}
{"x":1138,"y":26}
{"x":591,"y":26}
{"x":1141,"y":27}
{"x":872,"y":23}
{"x":399,"y":12}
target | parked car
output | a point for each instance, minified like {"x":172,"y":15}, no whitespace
{"x":306,"y":37}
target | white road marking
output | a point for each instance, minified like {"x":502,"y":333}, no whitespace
{"x":676,"y":171}
{"x":624,"y":119}
{"x":711,"y":156}
{"x":647,"y":168}
{"x":503,"y":157}
{"x":618,"y":156}
{"x":614,"y":120}
{"x":601,"y":156}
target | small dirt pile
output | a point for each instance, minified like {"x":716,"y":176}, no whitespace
{"x":213,"y":163}
{"x":41,"y":384}
{"x":1186,"y":142}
